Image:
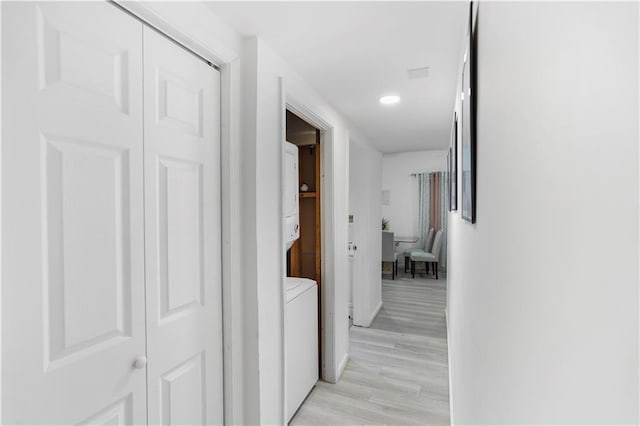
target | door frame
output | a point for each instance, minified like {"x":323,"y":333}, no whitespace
{"x":1,"y":283}
{"x":330,"y":370}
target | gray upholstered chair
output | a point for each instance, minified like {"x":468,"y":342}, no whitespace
{"x":428,"y":258}
{"x":426,"y":249}
{"x":389,"y":252}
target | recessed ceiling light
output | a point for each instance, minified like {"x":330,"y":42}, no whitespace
{"x":389,"y":100}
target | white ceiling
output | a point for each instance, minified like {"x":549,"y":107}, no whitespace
{"x":354,"y":52}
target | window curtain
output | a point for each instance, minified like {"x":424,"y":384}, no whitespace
{"x":433,"y":205}
{"x":440,"y":203}
{"x":423,"y":207}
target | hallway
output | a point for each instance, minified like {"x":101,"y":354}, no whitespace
{"x":397,"y":371}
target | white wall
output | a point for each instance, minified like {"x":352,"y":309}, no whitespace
{"x":543,"y":289}
{"x":265,"y":72}
{"x":402,"y":210}
{"x":365,"y":183}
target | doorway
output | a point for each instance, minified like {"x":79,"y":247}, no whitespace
{"x":304,"y":259}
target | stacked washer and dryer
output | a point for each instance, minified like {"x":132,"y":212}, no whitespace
{"x":301,"y":313}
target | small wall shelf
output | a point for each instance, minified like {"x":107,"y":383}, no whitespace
{"x":308,"y":195}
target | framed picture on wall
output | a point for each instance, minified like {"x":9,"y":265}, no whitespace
{"x":449,"y":173}
{"x":468,"y":145}
{"x":453,"y":176}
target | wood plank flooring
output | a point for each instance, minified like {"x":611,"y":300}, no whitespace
{"x":397,"y":373}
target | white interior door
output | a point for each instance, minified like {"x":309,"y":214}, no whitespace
{"x":72,"y":197}
{"x":182,"y":225}
{"x":357,"y":207}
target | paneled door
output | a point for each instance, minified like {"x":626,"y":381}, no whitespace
{"x":183,"y":242}
{"x":73,"y":307}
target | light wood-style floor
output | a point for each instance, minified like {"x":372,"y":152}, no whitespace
{"x":397,"y":373}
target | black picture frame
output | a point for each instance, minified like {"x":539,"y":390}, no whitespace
{"x":468,"y":140}
{"x":453,"y":176}
{"x":449,"y":173}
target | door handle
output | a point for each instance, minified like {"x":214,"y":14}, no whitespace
{"x":140,"y":362}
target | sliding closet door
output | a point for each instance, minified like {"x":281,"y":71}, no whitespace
{"x":73,"y":312}
{"x":182,"y":226}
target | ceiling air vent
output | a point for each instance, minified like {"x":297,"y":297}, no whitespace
{"x":422,"y":72}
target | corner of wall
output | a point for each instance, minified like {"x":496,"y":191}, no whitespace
{"x":248,"y":231}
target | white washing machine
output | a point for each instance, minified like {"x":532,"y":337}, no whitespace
{"x":301,"y":347}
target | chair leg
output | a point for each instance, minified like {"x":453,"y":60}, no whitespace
{"x":435,"y":266}
{"x":413,"y":269}
{"x":406,"y":263}
{"x":393,"y":270}
{"x":396,"y":266}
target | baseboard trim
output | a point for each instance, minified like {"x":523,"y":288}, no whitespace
{"x":342,"y":366}
{"x":374,"y":314}
{"x":446,"y":321}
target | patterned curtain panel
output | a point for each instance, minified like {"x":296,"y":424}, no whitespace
{"x":443,"y":203}
{"x":423,"y":207}
{"x":433,"y":204}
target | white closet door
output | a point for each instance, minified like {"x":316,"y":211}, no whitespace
{"x":72,"y":190}
{"x":182,"y":226}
